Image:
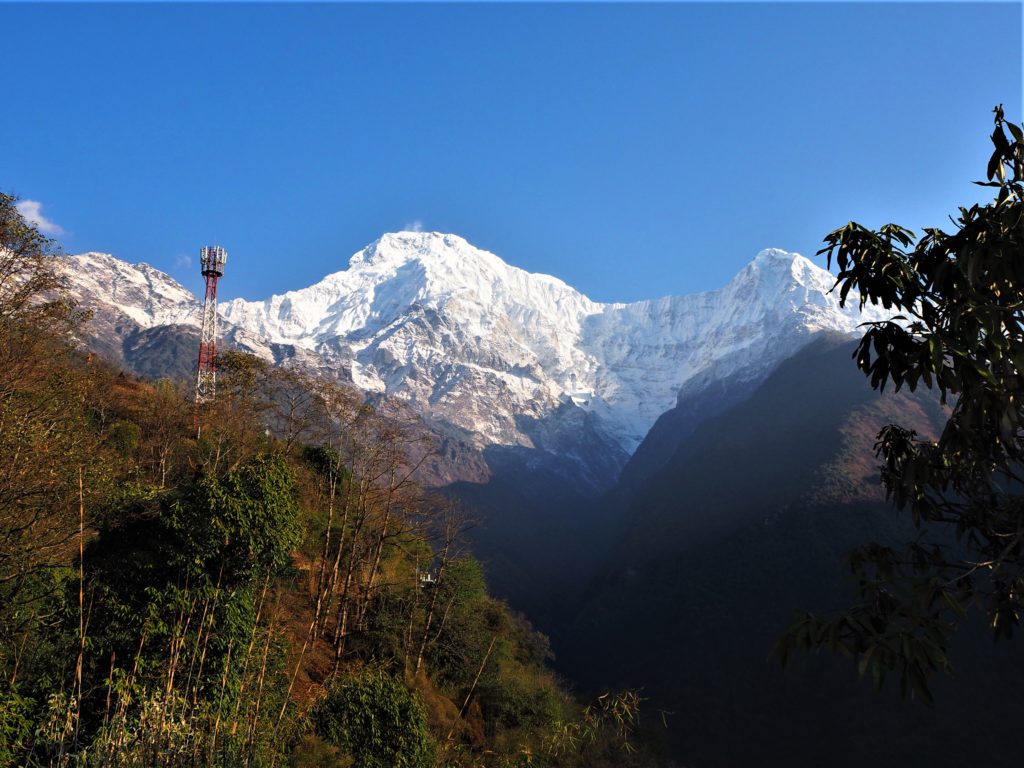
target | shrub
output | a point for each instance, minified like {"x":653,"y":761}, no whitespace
{"x":376,"y":720}
{"x":15,"y":727}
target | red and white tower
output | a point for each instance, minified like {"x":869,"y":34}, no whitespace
{"x":211,"y":259}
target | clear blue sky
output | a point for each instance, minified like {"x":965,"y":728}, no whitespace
{"x":632,"y":150}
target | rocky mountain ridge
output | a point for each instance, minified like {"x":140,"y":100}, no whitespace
{"x":502,"y":356}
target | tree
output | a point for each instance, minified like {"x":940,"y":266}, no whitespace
{"x":26,"y":275}
{"x":376,"y":720}
{"x":960,"y":331}
{"x":50,"y":458}
{"x":174,"y":583}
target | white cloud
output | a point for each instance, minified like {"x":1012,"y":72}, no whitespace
{"x":32,"y":210}
{"x":183,"y":261}
{"x":413,"y":226}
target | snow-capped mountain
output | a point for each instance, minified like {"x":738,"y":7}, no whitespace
{"x":136,"y":307}
{"x":493,"y":349}
{"x":503,"y":356}
{"x":142,"y":294}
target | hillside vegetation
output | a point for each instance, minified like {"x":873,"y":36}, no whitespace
{"x":262,"y":583}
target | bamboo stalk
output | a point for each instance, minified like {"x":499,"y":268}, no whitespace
{"x":177,"y":643}
{"x":110,"y":687}
{"x":259,"y":689}
{"x":124,"y":700}
{"x":17,"y":658}
{"x":295,"y":674}
{"x":77,"y":689}
{"x":465,"y":702}
{"x":206,"y":642}
{"x":248,"y":654}
{"x":322,"y":576}
{"x":220,"y":703}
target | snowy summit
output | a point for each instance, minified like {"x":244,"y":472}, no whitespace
{"x":487,"y":347}
{"x":497,"y":353}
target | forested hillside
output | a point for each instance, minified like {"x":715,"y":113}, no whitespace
{"x":264,"y":583}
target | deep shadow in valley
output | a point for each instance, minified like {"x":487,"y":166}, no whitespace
{"x":680,"y":580}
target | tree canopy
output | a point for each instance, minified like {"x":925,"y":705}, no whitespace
{"x":959,"y":330}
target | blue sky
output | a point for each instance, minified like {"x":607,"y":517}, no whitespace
{"x":631,"y":150}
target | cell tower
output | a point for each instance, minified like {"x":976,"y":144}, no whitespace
{"x":211,"y":260}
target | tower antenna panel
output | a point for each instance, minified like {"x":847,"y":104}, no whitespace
{"x":212,"y":259}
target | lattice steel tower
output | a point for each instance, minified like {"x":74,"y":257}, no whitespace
{"x":211,"y":259}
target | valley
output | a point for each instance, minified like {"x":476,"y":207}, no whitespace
{"x":658,"y":486}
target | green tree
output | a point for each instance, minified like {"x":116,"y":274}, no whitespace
{"x":236,"y":527}
{"x":960,"y":331}
{"x":376,"y":720}
{"x":177,"y":579}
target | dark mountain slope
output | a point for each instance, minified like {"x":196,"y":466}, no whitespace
{"x":167,"y":351}
{"x":699,"y":400}
{"x":748,"y":521}
{"x":760,"y":455}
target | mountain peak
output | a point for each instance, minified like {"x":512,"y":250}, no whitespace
{"x":492,"y":348}
{"x":142,"y":292}
{"x":405,"y":245}
{"x":497,"y":351}
{"x":777,"y":259}
{"x":775,"y":255}
{"x":775,"y":272}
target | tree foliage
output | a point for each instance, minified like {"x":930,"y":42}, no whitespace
{"x":234,"y":528}
{"x":27,"y":279}
{"x":959,"y":331}
{"x":374,"y":718}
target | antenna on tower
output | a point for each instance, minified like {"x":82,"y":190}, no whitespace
{"x":211,"y":260}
